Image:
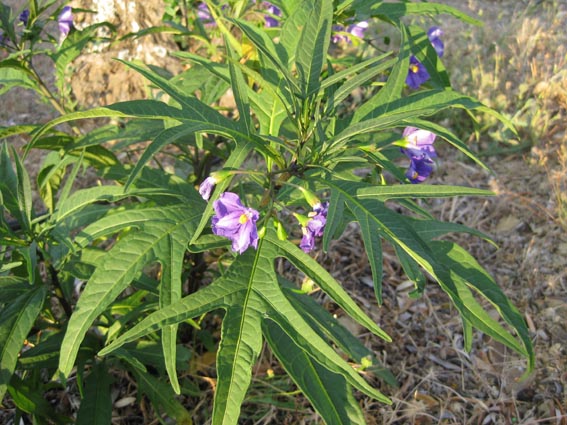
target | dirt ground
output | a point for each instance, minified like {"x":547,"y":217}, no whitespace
{"x":518,"y":58}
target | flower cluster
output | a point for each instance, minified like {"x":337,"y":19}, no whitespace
{"x":417,"y":73}
{"x":314,"y":227}
{"x":418,"y":147}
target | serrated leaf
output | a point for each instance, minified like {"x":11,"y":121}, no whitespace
{"x":313,"y":44}
{"x":162,"y":397}
{"x":329,"y":327}
{"x":125,"y":261}
{"x":16,"y":320}
{"x":328,"y":392}
{"x":394,"y":228}
{"x":250,"y":294}
{"x":465,"y":270}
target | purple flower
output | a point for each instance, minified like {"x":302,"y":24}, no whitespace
{"x":206,"y":188}
{"x":65,"y":21}
{"x":417,"y":74}
{"x":419,"y":149}
{"x":273,"y":11}
{"x":419,"y":140}
{"x":420,"y":168}
{"x":342,"y":34}
{"x":434,"y":33}
{"x":25,"y":16}
{"x":315,"y":226}
{"x":235,"y":222}
{"x":204,"y":15}
{"x":358,"y":29}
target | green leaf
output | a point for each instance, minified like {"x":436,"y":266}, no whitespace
{"x":394,"y":85}
{"x":267,"y":47}
{"x":24,"y":191}
{"x":162,"y":397}
{"x":193,"y":107}
{"x":439,"y":263}
{"x":96,"y":405}
{"x":171,"y":261}
{"x":69,"y":50}
{"x":250,"y":294}
{"x":82,"y":198}
{"x":124,"y":263}
{"x":240,"y":91}
{"x":313,"y":44}
{"x":404,"y":191}
{"x":326,"y":282}
{"x":395,"y":11}
{"x":16,"y":321}
{"x":334,"y":217}
{"x":9,"y":185}
{"x":373,"y":248}
{"x":355,"y":82}
{"x":329,"y":327}
{"x":466,"y":272}
{"x":396,"y":112}
{"x":328,"y":392}
{"x":17,"y":129}
{"x":30,"y":400}
{"x":166,"y":137}
{"x":14,"y":74}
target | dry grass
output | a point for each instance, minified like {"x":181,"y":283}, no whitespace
{"x":516,"y":64}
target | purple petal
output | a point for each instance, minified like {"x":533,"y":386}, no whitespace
{"x":417,"y":74}
{"x":206,"y":188}
{"x":420,"y":168}
{"x":358,"y":29}
{"x":65,"y":21}
{"x":418,"y":137}
{"x":24,"y":17}
{"x":204,"y":15}
{"x":434,"y":34}
{"x":235,"y":222}
{"x":228,"y":202}
{"x":307,"y":243}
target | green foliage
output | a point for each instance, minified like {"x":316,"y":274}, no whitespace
{"x":141,"y":239}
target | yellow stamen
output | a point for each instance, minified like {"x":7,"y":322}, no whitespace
{"x":415,"y":175}
{"x":414,"y":69}
{"x":243,"y":219}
